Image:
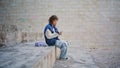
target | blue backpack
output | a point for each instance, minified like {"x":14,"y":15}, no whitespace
{"x":41,"y":44}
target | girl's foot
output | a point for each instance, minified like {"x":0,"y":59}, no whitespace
{"x":63,"y":58}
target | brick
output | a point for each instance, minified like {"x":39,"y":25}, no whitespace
{"x":92,"y":22}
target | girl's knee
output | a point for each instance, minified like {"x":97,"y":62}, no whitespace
{"x":66,"y":44}
{"x":64,"y":48}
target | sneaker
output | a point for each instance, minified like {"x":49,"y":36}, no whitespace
{"x":63,"y":58}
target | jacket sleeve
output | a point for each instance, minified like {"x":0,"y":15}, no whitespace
{"x":50,"y":35}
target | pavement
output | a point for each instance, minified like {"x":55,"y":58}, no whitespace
{"x":82,"y":56}
{"x":26,"y":55}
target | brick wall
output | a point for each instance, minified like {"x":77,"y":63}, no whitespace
{"x":90,"y":22}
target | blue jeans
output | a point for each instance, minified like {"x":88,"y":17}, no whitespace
{"x":63,"y":47}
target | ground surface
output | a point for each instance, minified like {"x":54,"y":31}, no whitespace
{"x":80,"y":56}
{"x":22,"y":55}
{"x":91,"y":57}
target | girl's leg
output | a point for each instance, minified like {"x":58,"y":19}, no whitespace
{"x":63,"y":47}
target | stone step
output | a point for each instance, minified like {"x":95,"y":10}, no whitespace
{"x":27,"y":56}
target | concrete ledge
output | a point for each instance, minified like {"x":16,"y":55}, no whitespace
{"x":28,"y":56}
{"x":57,"y":52}
{"x":47,"y":60}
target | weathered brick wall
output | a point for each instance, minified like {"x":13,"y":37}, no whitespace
{"x":8,"y":34}
{"x":90,"y":22}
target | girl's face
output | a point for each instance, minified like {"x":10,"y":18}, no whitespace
{"x":55,"y":22}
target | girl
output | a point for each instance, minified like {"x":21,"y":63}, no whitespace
{"x":51,"y":35}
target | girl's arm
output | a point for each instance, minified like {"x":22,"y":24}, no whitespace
{"x":50,"y":35}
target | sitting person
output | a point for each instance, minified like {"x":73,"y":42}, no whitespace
{"x":51,"y":35}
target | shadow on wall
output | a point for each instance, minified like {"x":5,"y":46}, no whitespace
{"x":2,"y":38}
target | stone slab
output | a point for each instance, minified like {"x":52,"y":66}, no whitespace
{"x":27,"y":56}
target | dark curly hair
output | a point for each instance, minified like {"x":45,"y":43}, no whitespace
{"x":52,"y":18}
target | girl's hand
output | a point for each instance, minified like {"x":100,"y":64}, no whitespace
{"x":60,"y":33}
